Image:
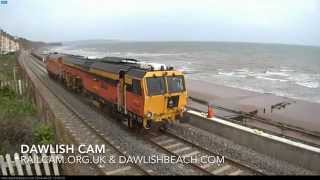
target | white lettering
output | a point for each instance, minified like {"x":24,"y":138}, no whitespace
{"x":81,"y":148}
{"x":122,"y":159}
{"x":24,"y":148}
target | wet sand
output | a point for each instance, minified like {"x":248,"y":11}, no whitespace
{"x":297,"y":113}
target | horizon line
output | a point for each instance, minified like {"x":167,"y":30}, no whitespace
{"x":217,"y":41}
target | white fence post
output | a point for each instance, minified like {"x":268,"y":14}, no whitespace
{"x":9,"y":162}
{"x":45,"y":164}
{"x":17,"y":85}
{"x":17,"y":165}
{"x":28,"y":167}
{"x":20,"y":87}
{"x":3,"y":166}
{"x":36,"y":164}
{"x":55,"y":165}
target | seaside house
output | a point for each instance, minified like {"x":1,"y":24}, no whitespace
{"x":8,"y":43}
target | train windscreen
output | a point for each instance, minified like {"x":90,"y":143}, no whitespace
{"x":175,"y":84}
{"x":156,"y":86}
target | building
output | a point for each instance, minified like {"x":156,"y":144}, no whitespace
{"x":8,"y":43}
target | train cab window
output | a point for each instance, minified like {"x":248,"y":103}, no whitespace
{"x":129,"y":87}
{"x":136,"y":87}
{"x":175,"y":84}
{"x":156,"y":86}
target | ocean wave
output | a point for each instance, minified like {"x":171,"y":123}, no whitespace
{"x":245,"y":73}
{"x":145,"y":54}
{"x":272,"y":73}
{"x":114,"y":53}
{"x":271,"y":79}
{"x":305,"y":80}
{"x":274,"y":92}
{"x":312,"y":85}
{"x":232,"y":74}
{"x":94,"y":52}
{"x":301,"y":79}
{"x":226,"y":73}
{"x":187,"y":70}
{"x":81,"y":52}
{"x":242,"y":70}
{"x":287,"y":70}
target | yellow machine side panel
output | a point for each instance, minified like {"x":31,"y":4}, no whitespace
{"x":105,"y":74}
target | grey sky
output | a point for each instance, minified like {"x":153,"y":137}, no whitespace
{"x":277,"y":21}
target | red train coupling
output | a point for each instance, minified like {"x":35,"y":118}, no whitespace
{"x":210,"y":111}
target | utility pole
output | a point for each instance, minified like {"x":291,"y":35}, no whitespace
{"x":14,"y":79}
{"x":0,"y":41}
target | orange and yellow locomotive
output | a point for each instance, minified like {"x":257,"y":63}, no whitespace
{"x":145,"y":93}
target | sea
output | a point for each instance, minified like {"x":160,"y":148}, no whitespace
{"x":285,"y":70}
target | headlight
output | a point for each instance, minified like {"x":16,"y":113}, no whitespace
{"x":149,"y":115}
{"x":170,"y":103}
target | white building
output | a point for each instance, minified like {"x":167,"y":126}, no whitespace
{"x":8,"y":43}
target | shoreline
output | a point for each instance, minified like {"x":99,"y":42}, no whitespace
{"x":299,"y":113}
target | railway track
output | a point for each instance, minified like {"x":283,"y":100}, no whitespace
{"x":95,"y":127}
{"x":272,"y":127}
{"x":201,"y":171}
{"x":198,"y":157}
{"x":174,"y":146}
{"x":240,"y":117}
{"x":90,"y":132}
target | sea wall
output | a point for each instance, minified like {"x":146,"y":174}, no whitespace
{"x":303,"y":156}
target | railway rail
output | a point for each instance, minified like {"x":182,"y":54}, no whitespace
{"x":184,"y":149}
{"x":196,"y":168}
{"x":240,"y":117}
{"x":200,"y":158}
{"x":179,"y":147}
{"x":253,"y":121}
{"x":94,"y":135}
{"x":95,"y":129}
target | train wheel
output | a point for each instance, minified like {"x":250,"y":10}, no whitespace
{"x":147,"y":124}
{"x":164,"y":126}
{"x":130,"y":125}
{"x":135,"y":123}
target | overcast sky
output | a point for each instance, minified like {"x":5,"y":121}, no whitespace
{"x":271,"y":21}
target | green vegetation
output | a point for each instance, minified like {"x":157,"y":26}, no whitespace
{"x":18,"y":116}
{"x":7,"y":63}
{"x":43,"y":134}
{"x":13,"y":106}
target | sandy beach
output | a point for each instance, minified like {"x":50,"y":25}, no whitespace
{"x":297,"y":113}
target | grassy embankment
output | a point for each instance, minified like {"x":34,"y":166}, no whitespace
{"x":18,"y":117}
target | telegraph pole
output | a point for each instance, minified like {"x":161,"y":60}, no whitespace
{"x":0,"y":41}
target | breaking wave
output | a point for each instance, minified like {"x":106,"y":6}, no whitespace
{"x":226,"y":68}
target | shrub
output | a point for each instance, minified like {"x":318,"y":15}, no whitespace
{"x":43,"y":134}
{"x":16,"y":119}
{"x":14,"y":132}
{"x":12,"y":106}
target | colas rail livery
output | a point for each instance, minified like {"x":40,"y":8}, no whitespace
{"x":145,"y":93}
